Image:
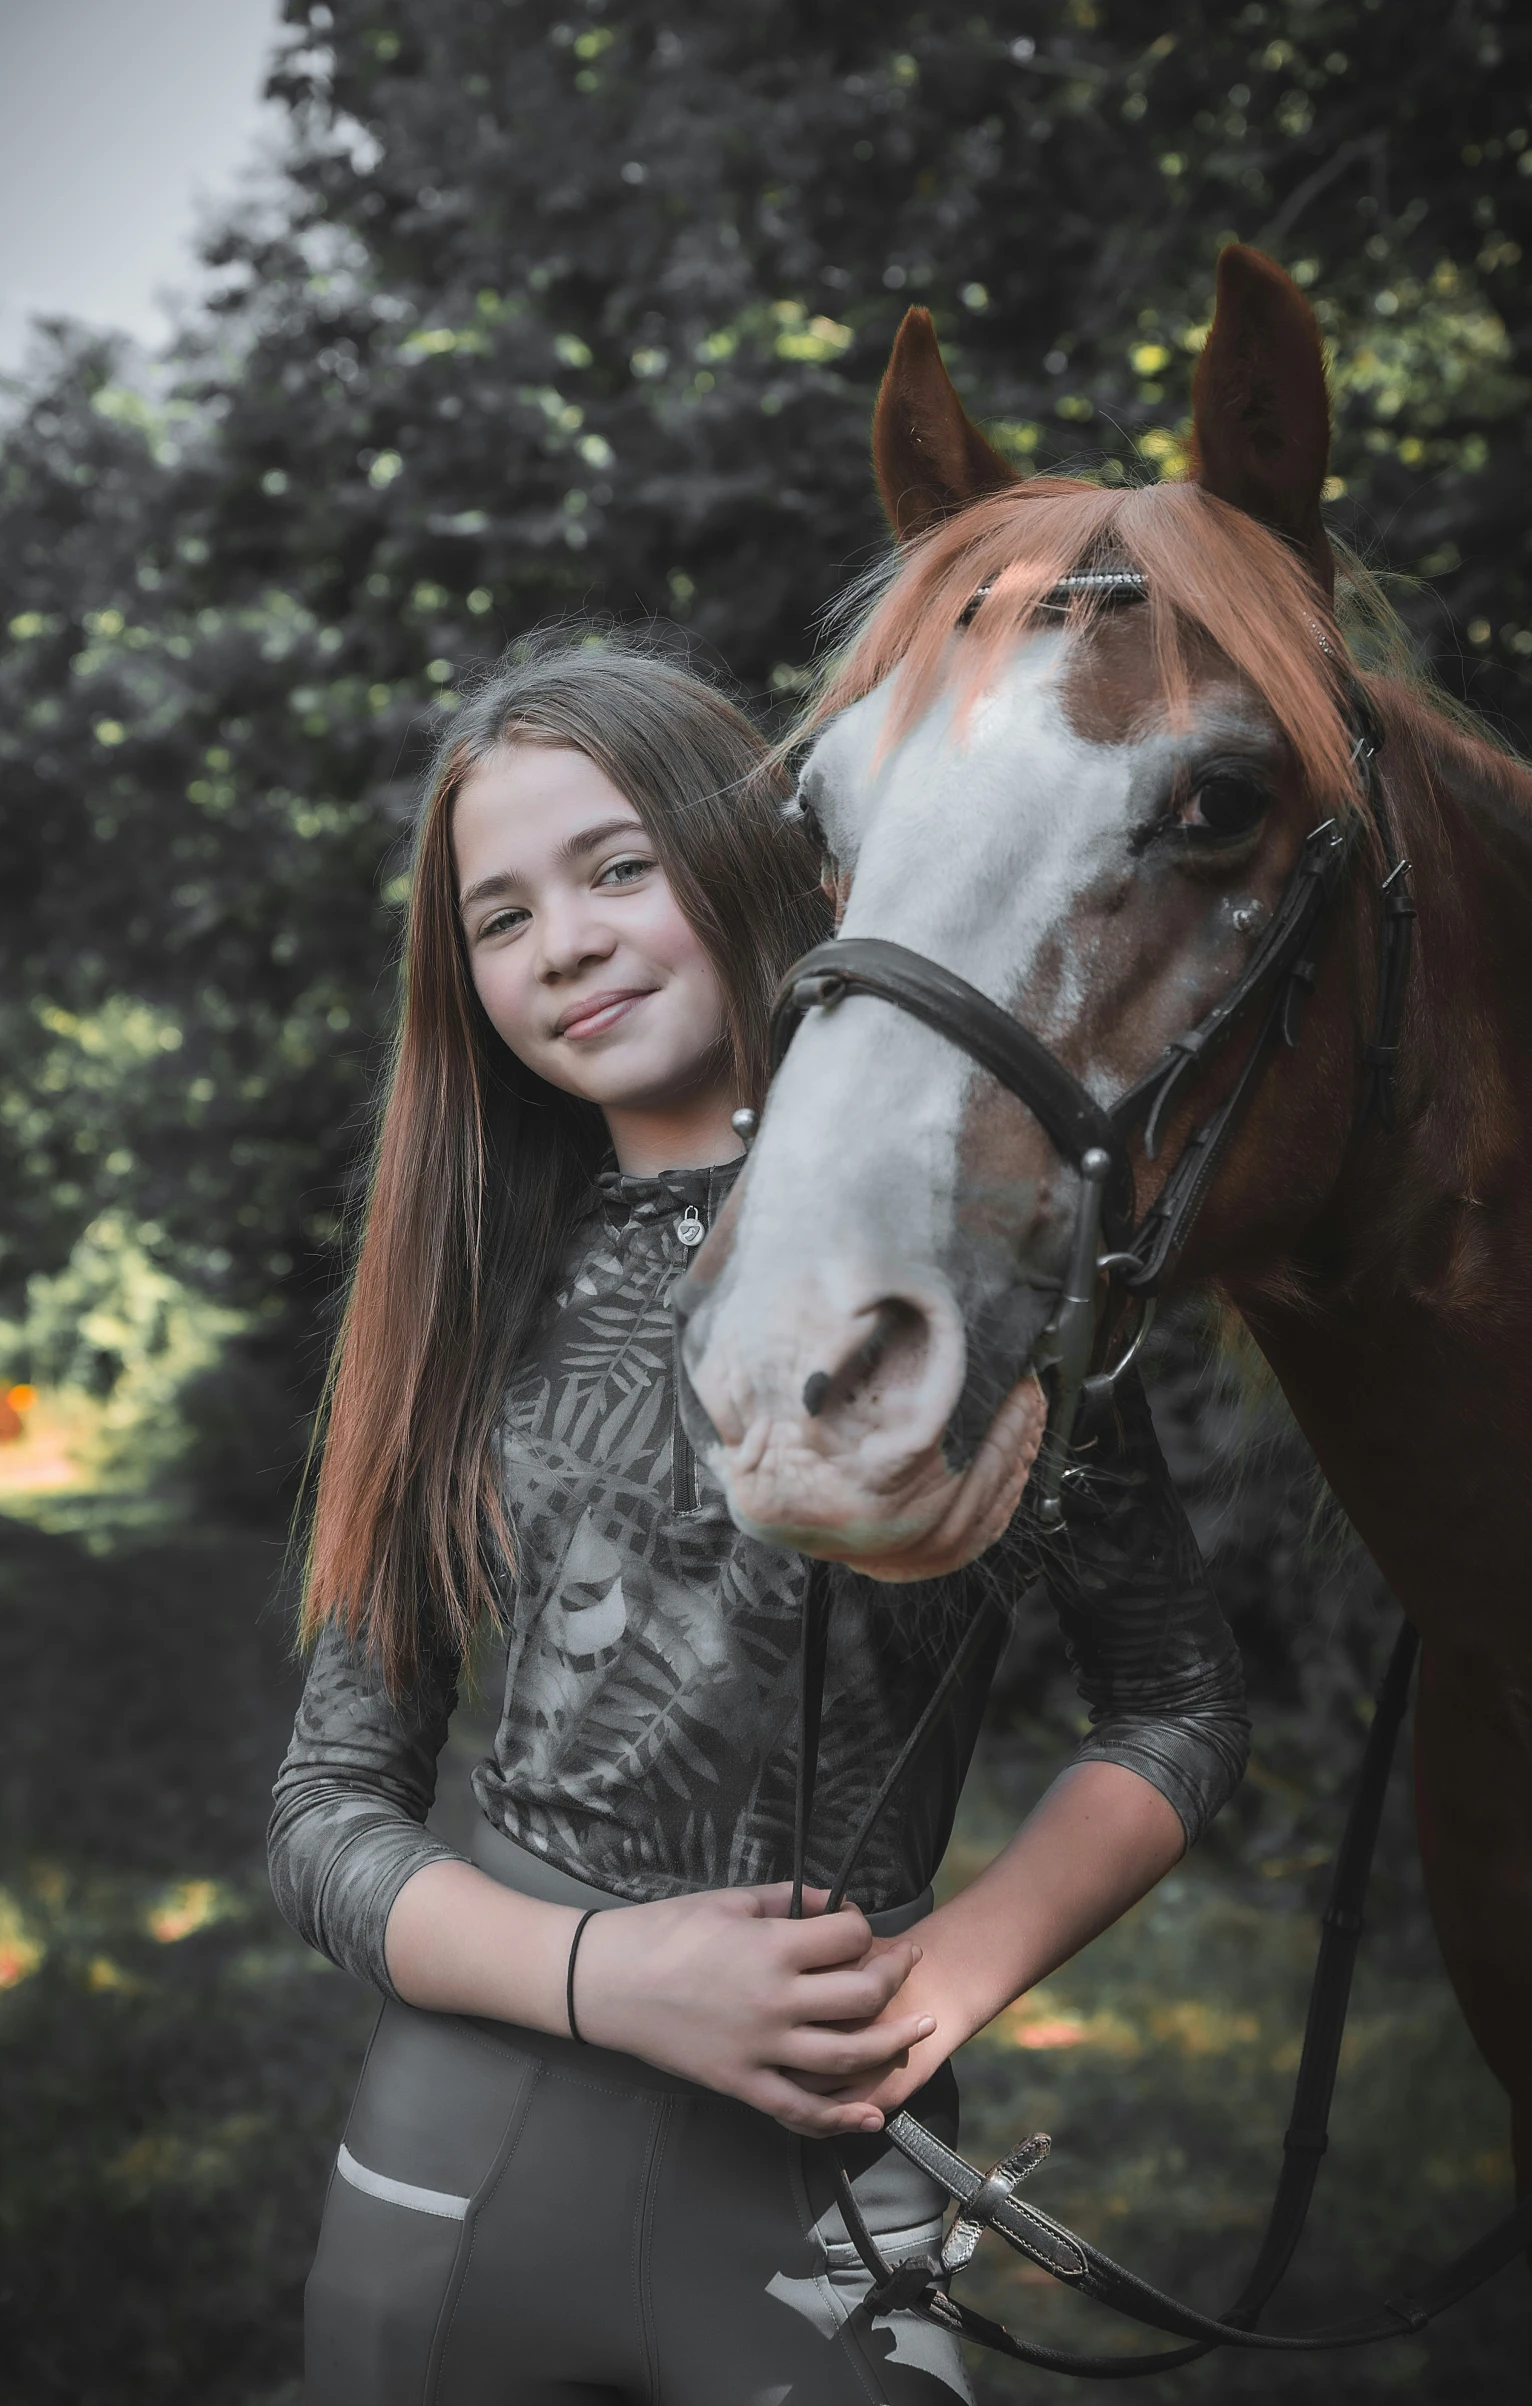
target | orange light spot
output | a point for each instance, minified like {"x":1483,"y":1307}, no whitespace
{"x":21,"y":1399}
{"x":188,"y":1908}
{"x":1064,"y":2030}
{"x":1041,"y":2025}
{"x":21,"y":1950}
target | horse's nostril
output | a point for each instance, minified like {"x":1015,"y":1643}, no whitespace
{"x":893,"y":1346}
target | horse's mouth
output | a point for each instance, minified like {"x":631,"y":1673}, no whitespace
{"x":914,"y":1518}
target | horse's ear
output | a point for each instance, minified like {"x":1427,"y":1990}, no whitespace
{"x":929,"y":456}
{"x":1260,"y":410}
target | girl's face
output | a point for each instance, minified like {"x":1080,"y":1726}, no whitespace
{"x":581,"y":956}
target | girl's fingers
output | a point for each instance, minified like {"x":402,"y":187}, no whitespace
{"x":854,"y":1995}
{"x":811,"y":2117}
{"x":843,"y":2054}
{"x":842,"y":1937}
{"x":774,"y":1900}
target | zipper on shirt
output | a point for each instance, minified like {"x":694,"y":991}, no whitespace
{"x":683,"y":1462}
{"x":691,"y":1228}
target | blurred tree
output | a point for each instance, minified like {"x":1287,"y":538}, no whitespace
{"x":588,"y":310}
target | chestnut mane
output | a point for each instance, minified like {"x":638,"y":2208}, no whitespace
{"x":1210,"y":572}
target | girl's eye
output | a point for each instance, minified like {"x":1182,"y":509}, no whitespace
{"x":503,"y":923}
{"x":1222,"y":808}
{"x":624,"y":872}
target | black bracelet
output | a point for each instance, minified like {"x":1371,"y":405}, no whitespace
{"x":574,"y":1949}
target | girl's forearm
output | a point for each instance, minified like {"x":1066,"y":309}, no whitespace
{"x":457,"y":1942}
{"x":1097,"y":1841}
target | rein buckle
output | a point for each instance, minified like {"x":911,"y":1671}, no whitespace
{"x":998,"y":2187}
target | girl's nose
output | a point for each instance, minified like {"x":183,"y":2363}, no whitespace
{"x":572,"y":938}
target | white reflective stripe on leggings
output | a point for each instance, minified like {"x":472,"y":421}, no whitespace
{"x":400,"y":2192}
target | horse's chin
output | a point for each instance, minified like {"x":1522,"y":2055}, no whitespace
{"x":924,"y":1523}
{"x":788,"y":1494}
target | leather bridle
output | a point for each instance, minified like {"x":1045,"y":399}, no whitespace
{"x":1139,"y":1254}
{"x":1279,"y":973}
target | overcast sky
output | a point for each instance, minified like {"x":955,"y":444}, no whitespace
{"x":119,"y":121}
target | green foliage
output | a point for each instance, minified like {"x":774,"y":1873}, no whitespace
{"x":117,"y":1325}
{"x":590,"y":312}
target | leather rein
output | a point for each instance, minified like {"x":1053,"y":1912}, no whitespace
{"x":1277,"y":979}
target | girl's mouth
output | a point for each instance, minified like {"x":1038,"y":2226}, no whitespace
{"x":598,"y":1014}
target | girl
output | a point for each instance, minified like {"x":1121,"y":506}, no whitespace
{"x":587,"y":2160}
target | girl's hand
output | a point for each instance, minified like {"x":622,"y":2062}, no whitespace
{"x":1099,"y":1838}
{"x":903,"y":2068}
{"x":726,"y":1990}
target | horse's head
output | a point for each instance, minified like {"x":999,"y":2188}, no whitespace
{"x":1089,"y":808}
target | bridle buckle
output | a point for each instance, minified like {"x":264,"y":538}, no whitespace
{"x":812,"y":993}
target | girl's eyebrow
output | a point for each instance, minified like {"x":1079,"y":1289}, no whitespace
{"x":505,"y":881}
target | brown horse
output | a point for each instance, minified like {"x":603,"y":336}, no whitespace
{"x":1090,"y":812}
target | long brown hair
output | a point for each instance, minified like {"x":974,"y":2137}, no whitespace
{"x":481,"y":1168}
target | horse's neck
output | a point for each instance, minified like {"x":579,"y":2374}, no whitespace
{"x":1408,"y":1359}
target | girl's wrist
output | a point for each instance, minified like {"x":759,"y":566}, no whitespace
{"x":957,"y":1980}
{"x":531,"y":1972}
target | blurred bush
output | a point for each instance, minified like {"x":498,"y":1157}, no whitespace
{"x":550,"y":312}
{"x":116,"y":1326}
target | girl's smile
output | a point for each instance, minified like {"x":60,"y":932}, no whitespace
{"x":598,"y":1014}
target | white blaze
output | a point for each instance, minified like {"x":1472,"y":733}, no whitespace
{"x":970,"y":842}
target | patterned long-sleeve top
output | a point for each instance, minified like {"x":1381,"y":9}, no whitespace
{"x":647,"y":1739}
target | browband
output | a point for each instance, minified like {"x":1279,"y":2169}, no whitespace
{"x":1130,"y":584}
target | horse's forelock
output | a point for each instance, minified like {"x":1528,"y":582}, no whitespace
{"x":1210,"y":572}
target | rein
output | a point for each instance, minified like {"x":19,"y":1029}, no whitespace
{"x":1279,"y":974}
{"x":989,"y":2200}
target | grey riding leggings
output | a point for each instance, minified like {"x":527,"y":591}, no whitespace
{"x":518,"y":2221}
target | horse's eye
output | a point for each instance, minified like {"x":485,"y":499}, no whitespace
{"x":809,"y":822}
{"x":1224,"y":807}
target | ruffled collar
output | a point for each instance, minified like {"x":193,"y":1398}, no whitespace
{"x":629,"y":1201}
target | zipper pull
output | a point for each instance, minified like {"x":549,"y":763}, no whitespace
{"x":689,"y":1227}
